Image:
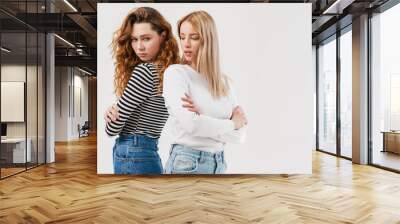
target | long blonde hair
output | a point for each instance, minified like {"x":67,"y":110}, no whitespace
{"x":207,"y":60}
{"x":126,"y":59}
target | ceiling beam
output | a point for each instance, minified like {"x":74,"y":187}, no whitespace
{"x":84,"y":24}
{"x":81,"y":61}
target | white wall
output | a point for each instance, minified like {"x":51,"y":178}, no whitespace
{"x":266,"y":50}
{"x":61,"y":103}
{"x":16,"y":72}
{"x":81,"y":82}
{"x":67,"y":80}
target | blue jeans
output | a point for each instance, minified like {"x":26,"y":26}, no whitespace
{"x":136,"y":154}
{"x":185,"y":160}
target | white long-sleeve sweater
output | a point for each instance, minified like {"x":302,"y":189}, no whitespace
{"x":208,"y":131}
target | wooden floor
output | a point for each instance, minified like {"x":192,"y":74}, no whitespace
{"x":5,"y":172}
{"x":70,"y":191}
{"x":10,"y":171}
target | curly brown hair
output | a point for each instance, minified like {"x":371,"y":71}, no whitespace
{"x":125,"y":57}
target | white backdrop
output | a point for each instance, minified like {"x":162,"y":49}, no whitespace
{"x":266,"y":49}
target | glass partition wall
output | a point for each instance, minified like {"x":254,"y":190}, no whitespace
{"x":334,"y":75}
{"x":22,"y":77}
{"x":327,"y":95}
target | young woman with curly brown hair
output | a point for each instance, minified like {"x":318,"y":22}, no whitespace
{"x":143,"y":47}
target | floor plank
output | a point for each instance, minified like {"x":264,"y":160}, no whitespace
{"x":70,"y":191}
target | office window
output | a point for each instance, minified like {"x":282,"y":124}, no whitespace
{"x":327,"y":96}
{"x":385,"y":90}
{"x":346,"y":94}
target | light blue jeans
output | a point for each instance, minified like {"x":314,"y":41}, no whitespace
{"x":185,"y":160}
{"x":136,"y":154}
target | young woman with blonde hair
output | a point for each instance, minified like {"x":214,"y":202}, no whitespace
{"x":143,"y":47}
{"x":210,"y":116}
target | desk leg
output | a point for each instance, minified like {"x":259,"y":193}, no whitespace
{"x":384,"y":142}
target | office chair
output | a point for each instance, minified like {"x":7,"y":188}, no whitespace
{"x":84,"y":130}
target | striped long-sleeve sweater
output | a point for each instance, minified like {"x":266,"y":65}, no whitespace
{"x":141,"y":108}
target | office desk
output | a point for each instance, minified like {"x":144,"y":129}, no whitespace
{"x":13,"y":150}
{"x":391,"y":141}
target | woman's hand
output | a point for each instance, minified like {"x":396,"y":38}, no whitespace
{"x":111,"y":113}
{"x":188,"y":104}
{"x":238,"y":117}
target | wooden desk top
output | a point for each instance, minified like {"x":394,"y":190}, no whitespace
{"x":13,"y":140}
{"x":390,"y":132}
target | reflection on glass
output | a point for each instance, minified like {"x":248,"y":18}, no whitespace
{"x":327,"y":97}
{"x":41,"y":99}
{"x":13,"y":84}
{"x":22,"y":89}
{"x":32,"y":85}
{"x":386,"y":89}
{"x":346,"y":93}
{"x":31,"y":100}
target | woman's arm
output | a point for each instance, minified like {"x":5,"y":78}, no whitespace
{"x":235,"y":136}
{"x":176,"y":84}
{"x":139,"y":88}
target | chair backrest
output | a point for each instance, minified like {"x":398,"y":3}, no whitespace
{"x":86,"y":125}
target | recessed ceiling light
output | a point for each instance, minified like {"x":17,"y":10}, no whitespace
{"x":338,"y":6}
{"x":64,"y":40}
{"x":70,"y":5}
{"x":5,"y":50}
{"x":84,"y":71}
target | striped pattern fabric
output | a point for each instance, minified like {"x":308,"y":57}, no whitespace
{"x":141,"y":109}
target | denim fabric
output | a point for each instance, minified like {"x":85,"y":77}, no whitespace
{"x":185,"y":160}
{"x":136,"y":154}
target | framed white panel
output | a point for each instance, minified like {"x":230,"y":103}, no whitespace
{"x":12,"y":101}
